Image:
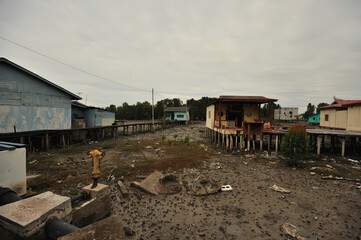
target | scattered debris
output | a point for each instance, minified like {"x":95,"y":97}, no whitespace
{"x":330,"y":177}
{"x":128,"y":231}
{"x":329,"y":166}
{"x":226,"y":188}
{"x":148,"y":147}
{"x":93,"y":142}
{"x":156,"y":183}
{"x":168,"y":184}
{"x":279,"y":189}
{"x":204,"y":180}
{"x":208,"y":188}
{"x":148,"y":185}
{"x":34,"y":161}
{"x":110,"y":173}
{"x":315,"y":187}
{"x":353,"y":161}
{"x":294,"y":232}
{"x":312,"y":173}
{"x":122,"y":188}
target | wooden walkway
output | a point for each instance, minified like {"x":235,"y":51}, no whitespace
{"x":231,"y":142}
{"x":46,"y":139}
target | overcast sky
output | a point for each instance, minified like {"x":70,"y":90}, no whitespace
{"x":295,"y":51}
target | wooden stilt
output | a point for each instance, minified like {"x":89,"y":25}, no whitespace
{"x":230,"y":143}
{"x":227,"y":142}
{"x":332,"y":146}
{"x":319,"y":139}
{"x":261,"y":143}
{"x":343,"y":141}
{"x":276,"y":143}
{"x":269,"y":142}
{"x":236,"y":142}
{"x":47,"y":141}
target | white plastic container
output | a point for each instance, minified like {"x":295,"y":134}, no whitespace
{"x":13,"y":169}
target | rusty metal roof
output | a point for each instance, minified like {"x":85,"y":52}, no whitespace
{"x":340,"y":103}
{"x":244,"y":99}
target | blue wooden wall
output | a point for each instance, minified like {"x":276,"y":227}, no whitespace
{"x":31,"y":104}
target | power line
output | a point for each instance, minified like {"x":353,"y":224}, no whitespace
{"x":76,"y":68}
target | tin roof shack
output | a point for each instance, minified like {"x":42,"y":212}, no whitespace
{"x":341,"y":114}
{"x":286,"y":114}
{"x":236,"y":114}
{"x":176,"y":113}
{"x":315,"y":118}
{"x":29,"y":102}
{"x":96,"y":117}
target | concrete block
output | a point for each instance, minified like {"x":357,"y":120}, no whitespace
{"x":99,"y":191}
{"x":26,"y":217}
{"x":110,"y":228}
{"x":91,"y":211}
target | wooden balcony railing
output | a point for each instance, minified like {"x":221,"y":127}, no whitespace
{"x":226,"y":124}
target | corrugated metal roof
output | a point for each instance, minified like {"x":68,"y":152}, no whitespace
{"x":244,"y":99}
{"x":176,"y":109}
{"x":78,"y":104}
{"x":340,"y":103}
{"x":75,"y":97}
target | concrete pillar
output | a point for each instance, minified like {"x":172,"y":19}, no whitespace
{"x":254,"y":144}
{"x":241,"y":142}
{"x":319,"y":139}
{"x":276,"y":143}
{"x":261,"y":143}
{"x":343,"y":141}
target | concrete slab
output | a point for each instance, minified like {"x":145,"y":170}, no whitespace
{"x":150,"y":183}
{"x":28,"y":216}
{"x":99,"y":191}
{"x":91,"y":211}
{"x":110,"y":228}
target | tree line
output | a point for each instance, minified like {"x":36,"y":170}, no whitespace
{"x":143,"y":110}
{"x":197,"y":109}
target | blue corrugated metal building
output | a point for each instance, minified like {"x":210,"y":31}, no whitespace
{"x":29,"y":102}
{"x":93,"y":116}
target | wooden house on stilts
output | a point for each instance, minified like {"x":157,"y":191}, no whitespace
{"x":233,"y":120}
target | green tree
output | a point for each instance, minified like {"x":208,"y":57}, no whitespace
{"x":295,"y":145}
{"x":321,"y":105}
{"x":310,"y":111}
{"x":266,"y":110}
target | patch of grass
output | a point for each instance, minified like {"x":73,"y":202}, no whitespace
{"x":175,"y":136}
{"x":107,"y":145}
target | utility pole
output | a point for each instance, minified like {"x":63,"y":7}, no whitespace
{"x":152,"y":109}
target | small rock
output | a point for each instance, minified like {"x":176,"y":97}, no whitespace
{"x":128,"y":231}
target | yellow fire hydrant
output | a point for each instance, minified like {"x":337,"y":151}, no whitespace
{"x":96,"y":155}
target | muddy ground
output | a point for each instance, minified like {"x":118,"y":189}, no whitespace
{"x":320,"y":209}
